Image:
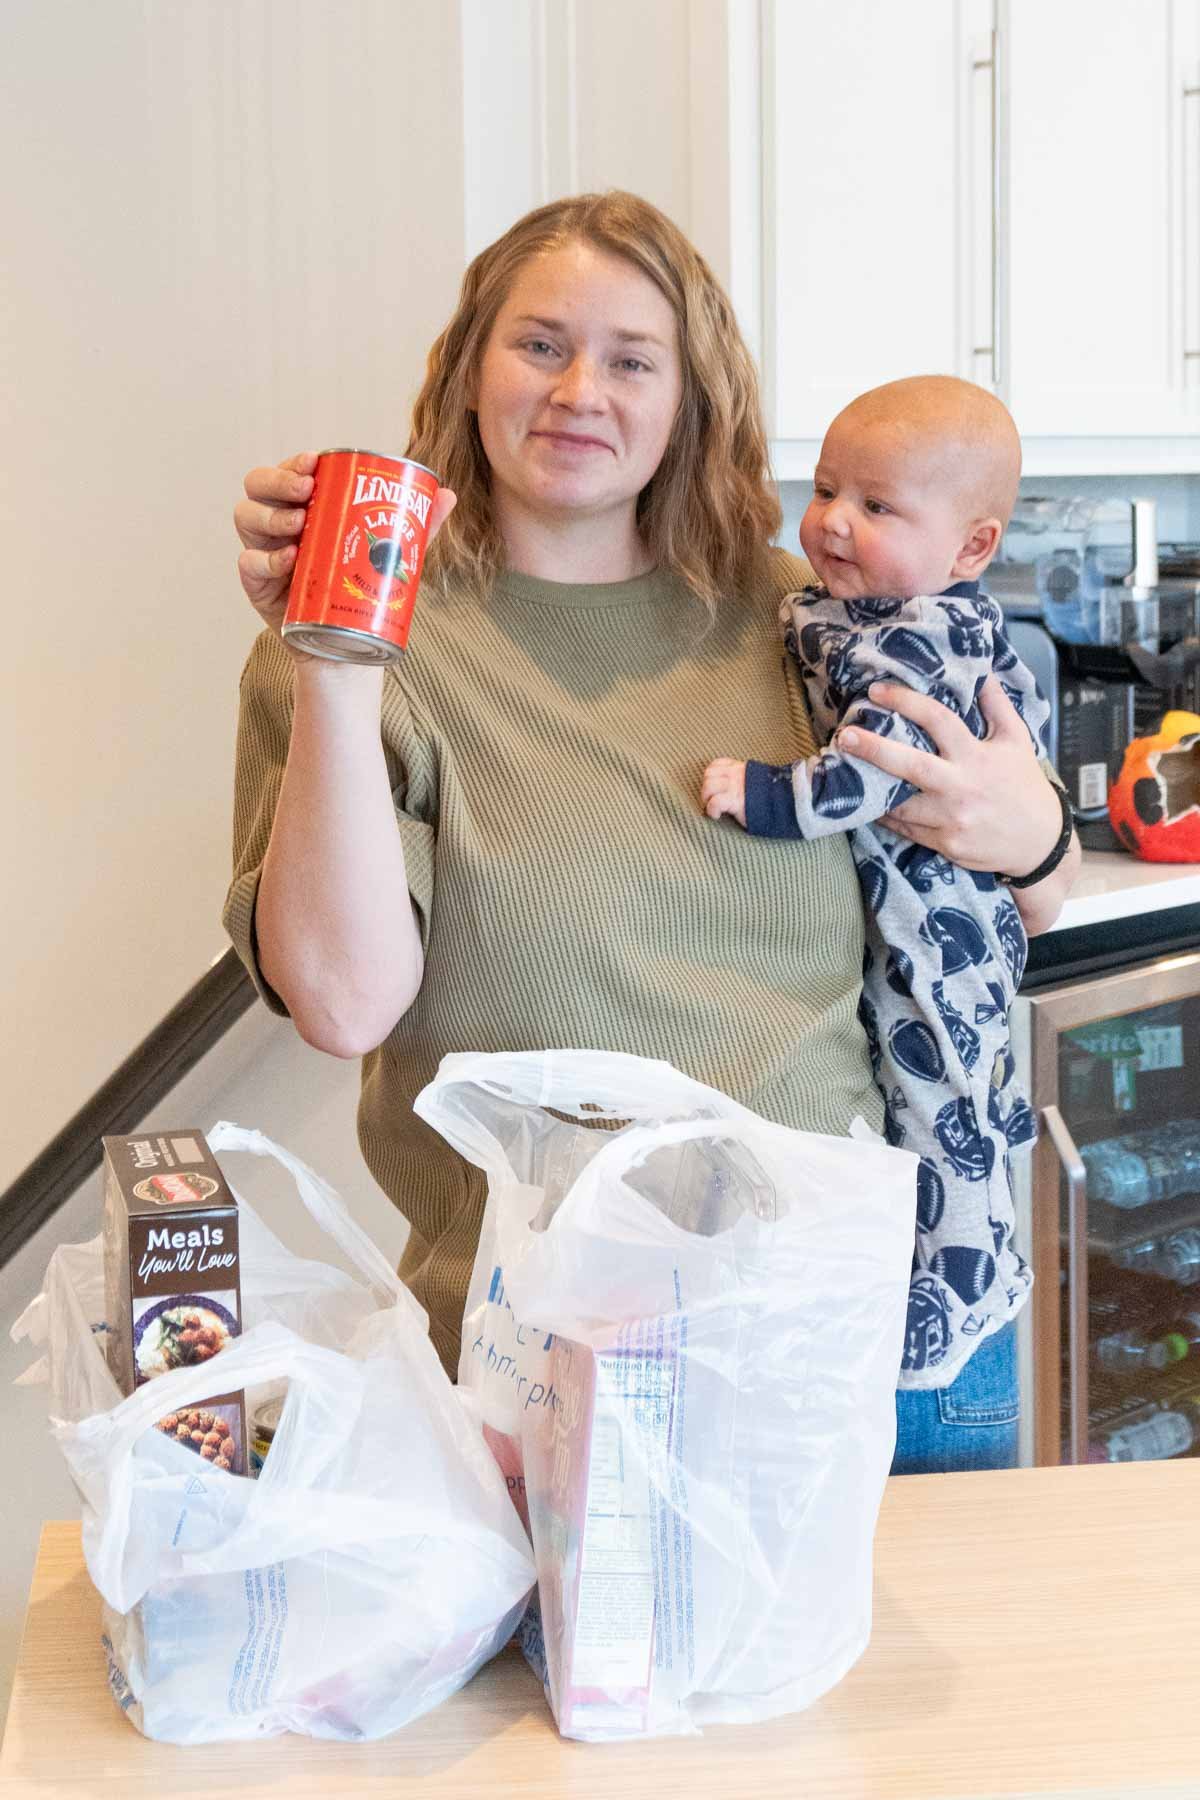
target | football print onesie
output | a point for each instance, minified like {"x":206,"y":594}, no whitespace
{"x":945,"y":947}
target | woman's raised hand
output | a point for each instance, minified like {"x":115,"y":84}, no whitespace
{"x":269,"y":522}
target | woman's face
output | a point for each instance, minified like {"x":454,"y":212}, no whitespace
{"x":578,"y":388}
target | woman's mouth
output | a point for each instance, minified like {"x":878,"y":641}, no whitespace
{"x":572,"y":443}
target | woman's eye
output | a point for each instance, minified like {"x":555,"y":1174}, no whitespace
{"x":633,"y":364}
{"x":538,"y":346}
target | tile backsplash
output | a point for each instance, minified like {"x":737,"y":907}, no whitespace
{"x":1178,"y":498}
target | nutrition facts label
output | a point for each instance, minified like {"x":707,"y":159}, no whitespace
{"x":616,"y":1584}
{"x":631,"y":1425}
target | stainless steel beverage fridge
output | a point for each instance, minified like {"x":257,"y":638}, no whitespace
{"x":1109,"y":1202}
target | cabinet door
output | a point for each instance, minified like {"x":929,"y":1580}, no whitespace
{"x":877,"y":167}
{"x":1102,"y":215}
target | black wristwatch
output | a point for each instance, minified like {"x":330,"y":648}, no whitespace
{"x":1048,"y":865}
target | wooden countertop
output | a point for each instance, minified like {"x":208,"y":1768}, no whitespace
{"x":1035,"y":1635}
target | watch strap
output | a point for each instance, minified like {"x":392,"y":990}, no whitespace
{"x":1049,"y":863}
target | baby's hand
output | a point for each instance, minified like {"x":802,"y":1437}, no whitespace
{"x":723,"y":790}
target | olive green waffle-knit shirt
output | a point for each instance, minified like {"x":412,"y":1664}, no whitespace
{"x":546,"y":751}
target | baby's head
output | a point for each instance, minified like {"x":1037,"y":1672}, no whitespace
{"x":913,"y":488}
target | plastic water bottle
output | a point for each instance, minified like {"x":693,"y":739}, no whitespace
{"x":1145,"y":1166}
{"x":1125,"y":1352}
{"x":1176,"y":1258}
{"x":1179,"y":1257}
{"x":1142,"y":1257}
{"x":1169,"y":1432}
{"x":1128,"y":1352}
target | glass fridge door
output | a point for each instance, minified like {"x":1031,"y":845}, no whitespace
{"x":1116,"y":1215}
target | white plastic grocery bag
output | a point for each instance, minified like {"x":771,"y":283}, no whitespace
{"x":693,"y":1322}
{"x":370,"y":1570}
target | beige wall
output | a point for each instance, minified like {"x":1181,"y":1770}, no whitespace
{"x":230,"y":231}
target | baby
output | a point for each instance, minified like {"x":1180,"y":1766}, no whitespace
{"x":911,"y":495}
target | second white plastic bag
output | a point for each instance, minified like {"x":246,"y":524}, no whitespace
{"x":692,"y":1322}
{"x":370,"y":1570}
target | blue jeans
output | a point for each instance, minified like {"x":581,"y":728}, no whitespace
{"x":972,"y":1424}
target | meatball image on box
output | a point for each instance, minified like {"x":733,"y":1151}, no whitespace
{"x":172,"y":1278}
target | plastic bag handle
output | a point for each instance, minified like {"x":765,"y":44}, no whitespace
{"x":613,"y":1163}
{"x":265,"y":1354}
{"x":320,"y":1201}
{"x":585,"y":1084}
{"x":622,"y":1154}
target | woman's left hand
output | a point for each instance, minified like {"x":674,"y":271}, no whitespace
{"x":983,"y":802}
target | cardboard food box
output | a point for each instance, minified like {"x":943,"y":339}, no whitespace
{"x":610,"y":1554}
{"x":173,"y":1279}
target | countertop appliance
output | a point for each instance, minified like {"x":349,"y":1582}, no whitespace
{"x":1108,"y":620}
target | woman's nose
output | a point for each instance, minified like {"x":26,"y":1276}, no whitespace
{"x":578,"y":386}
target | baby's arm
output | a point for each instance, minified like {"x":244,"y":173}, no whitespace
{"x":940,"y":646}
{"x":829,"y":792}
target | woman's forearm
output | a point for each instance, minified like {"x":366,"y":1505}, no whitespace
{"x":337,"y":935}
{"x":1039,"y":906}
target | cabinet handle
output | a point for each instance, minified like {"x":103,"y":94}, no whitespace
{"x":1191,"y":93}
{"x":991,"y":63}
{"x":1077,"y":1334}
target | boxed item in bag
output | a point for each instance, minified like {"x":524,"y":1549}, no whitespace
{"x":709,"y":1310}
{"x":172,"y":1273}
{"x":376,"y":1563}
{"x":596,"y":1466}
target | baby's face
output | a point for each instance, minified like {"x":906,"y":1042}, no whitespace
{"x":885,"y":518}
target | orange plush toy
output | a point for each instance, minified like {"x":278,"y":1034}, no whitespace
{"x":1154,"y":804}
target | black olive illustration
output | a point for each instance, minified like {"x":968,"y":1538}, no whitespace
{"x":387,"y":559}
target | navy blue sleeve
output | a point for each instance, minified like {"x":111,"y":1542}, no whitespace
{"x":770,"y":808}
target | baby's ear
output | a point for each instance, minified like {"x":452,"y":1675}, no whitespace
{"x":979,"y":546}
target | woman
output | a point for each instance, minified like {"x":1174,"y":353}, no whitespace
{"x":496,"y":844}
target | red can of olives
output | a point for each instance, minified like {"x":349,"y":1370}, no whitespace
{"x":360,"y":556}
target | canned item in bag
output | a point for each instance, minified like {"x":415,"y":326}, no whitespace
{"x":361,"y":551}
{"x":263,"y":1427}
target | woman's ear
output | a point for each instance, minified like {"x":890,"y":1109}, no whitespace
{"x":978,"y":548}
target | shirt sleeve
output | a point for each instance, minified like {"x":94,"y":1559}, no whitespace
{"x":263,"y":737}
{"x":942,"y":646}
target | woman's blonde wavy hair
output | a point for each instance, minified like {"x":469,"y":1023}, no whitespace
{"x":709,"y":511}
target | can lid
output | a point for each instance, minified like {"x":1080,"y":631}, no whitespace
{"x":390,"y":455}
{"x":266,"y":1418}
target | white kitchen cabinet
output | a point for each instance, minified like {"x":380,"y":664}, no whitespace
{"x":878,"y":200}
{"x":1007,"y":190}
{"x":1102,"y":135}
